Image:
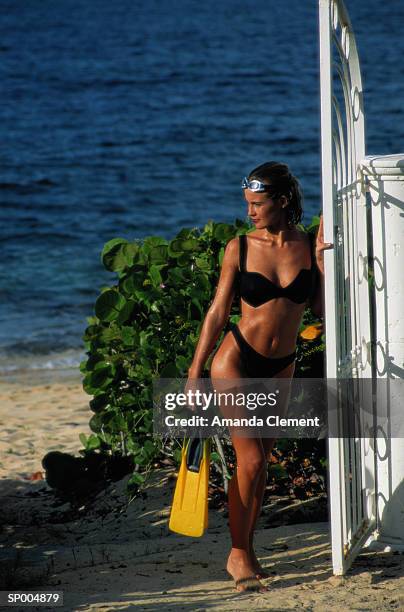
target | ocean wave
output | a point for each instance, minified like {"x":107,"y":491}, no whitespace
{"x":69,"y":359}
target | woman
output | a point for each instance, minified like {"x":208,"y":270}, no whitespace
{"x":277,"y":271}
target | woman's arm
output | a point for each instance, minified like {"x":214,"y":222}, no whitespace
{"x":317,"y":302}
{"x":219,"y":309}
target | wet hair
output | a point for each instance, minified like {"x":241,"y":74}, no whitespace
{"x":284,"y":183}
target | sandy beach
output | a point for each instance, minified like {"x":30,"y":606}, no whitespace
{"x":110,"y":555}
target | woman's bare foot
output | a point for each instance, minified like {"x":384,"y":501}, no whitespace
{"x":241,"y":569}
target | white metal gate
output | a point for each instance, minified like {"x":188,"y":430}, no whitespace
{"x":348,"y":309}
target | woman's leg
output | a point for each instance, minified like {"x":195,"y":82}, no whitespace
{"x":267,"y":444}
{"x":251,"y":463}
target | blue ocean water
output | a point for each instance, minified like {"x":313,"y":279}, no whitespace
{"x":140,"y":118}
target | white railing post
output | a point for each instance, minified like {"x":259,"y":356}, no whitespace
{"x":348,"y":310}
{"x":385,"y":177}
{"x":364,"y":305}
{"x":328,"y":196}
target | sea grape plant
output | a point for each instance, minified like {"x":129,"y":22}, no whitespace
{"x":146,"y":324}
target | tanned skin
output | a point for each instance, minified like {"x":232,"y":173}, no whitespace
{"x":278,"y":251}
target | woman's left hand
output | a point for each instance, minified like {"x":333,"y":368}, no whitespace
{"x":321,"y":246}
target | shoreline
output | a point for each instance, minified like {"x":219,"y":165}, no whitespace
{"x":40,"y":376}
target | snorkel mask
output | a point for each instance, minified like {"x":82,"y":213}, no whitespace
{"x":255,"y":185}
{"x":259,"y":187}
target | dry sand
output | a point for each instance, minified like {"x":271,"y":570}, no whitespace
{"x":111,"y":555}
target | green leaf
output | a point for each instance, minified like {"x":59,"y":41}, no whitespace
{"x":177,"y":276}
{"x":99,"y":402}
{"x":93,"y":442}
{"x":112,"y":255}
{"x":83,"y":365}
{"x":126,"y":311}
{"x":184,"y":259}
{"x":129,"y":335}
{"x":109,"y":305}
{"x":158,"y":254}
{"x":95,"y":423}
{"x":118,"y":254}
{"x":184,"y":234}
{"x":204,"y":263}
{"x":136,"y":479}
{"x":223,"y":232}
{"x":128,"y":399}
{"x":93,"y":360}
{"x":182,"y":363}
{"x":154,"y":273}
{"x":131,"y":282}
{"x":177,"y":246}
{"x":83,"y":439}
{"x":100,"y":378}
{"x":152,"y":242}
{"x":197,"y":303}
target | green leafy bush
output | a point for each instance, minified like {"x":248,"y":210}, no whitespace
{"x":147,"y":325}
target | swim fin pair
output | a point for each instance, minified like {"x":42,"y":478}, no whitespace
{"x":189,"y":512}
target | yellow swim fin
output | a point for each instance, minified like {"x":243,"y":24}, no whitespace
{"x":189,"y":512}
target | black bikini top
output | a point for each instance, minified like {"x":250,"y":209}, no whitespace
{"x":256,"y":289}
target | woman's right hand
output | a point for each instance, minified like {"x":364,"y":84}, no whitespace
{"x":191,"y":386}
{"x":321,"y":246}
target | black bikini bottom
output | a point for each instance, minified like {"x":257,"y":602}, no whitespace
{"x":255,"y":364}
